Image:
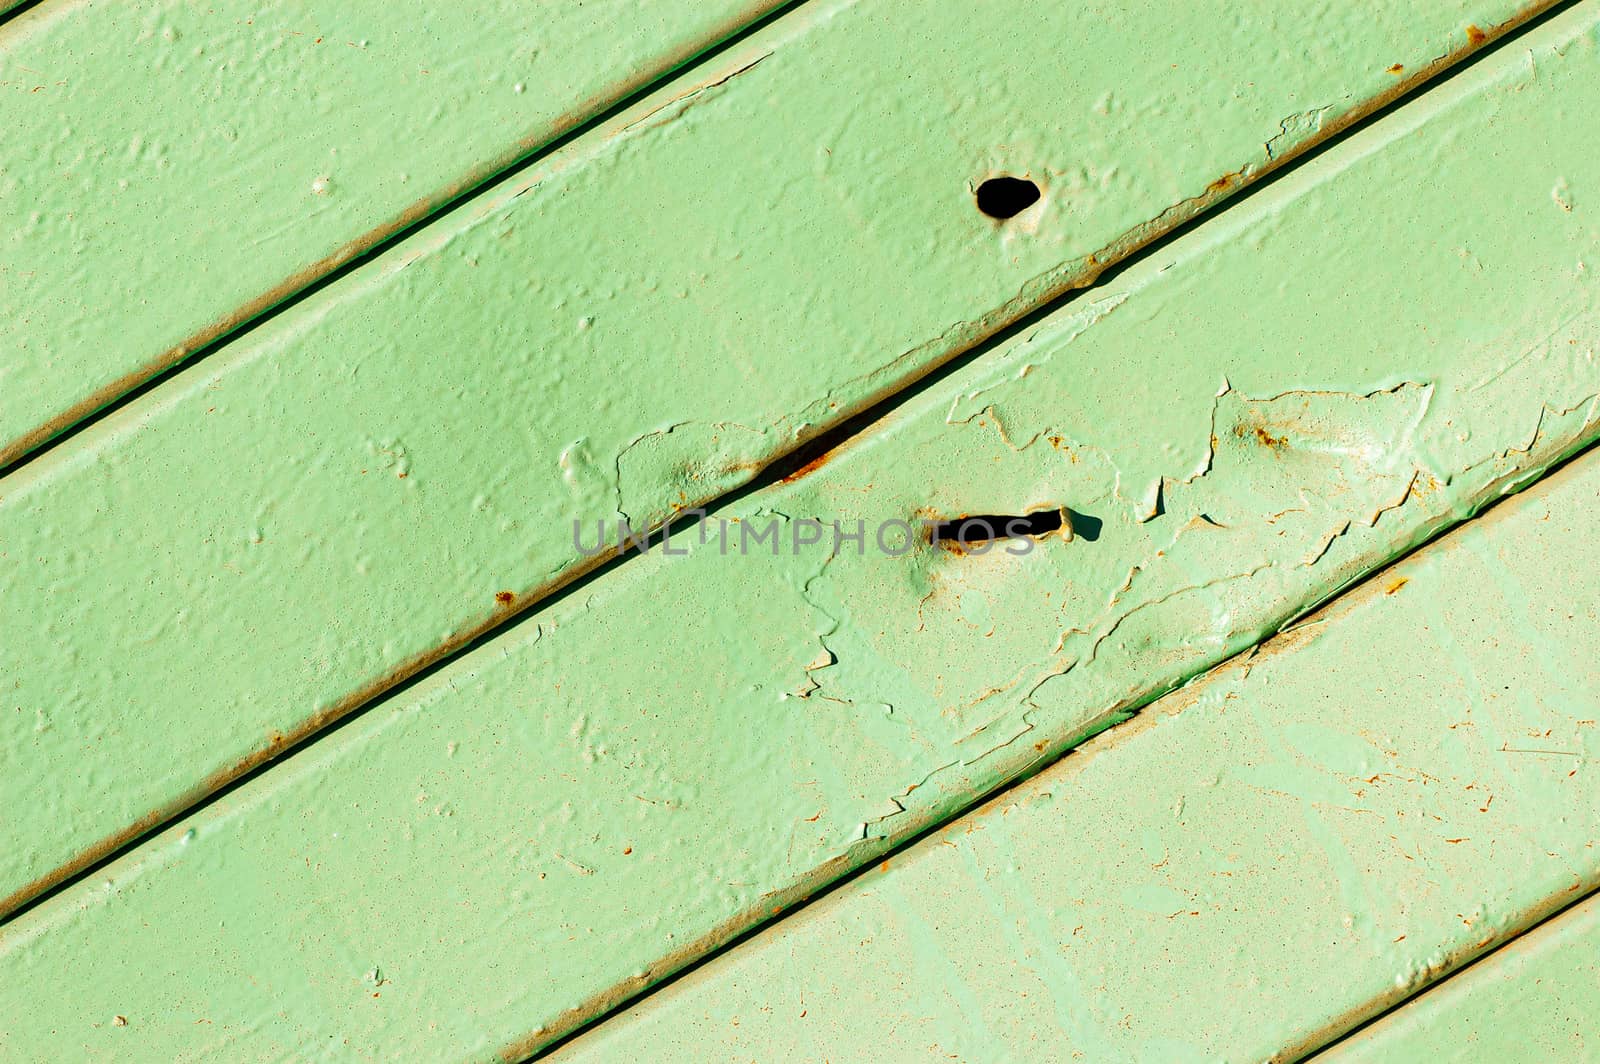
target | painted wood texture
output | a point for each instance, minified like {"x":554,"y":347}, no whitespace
{"x":1253,"y":865}
{"x":642,"y":770}
{"x":371,"y":479}
{"x":1536,"y":999}
{"x":173,"y":169}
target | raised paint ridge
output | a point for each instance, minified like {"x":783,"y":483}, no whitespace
{"x":1255,"y":864}
{"x":1276,"y":405}
{"x":1535,"y":999}
{"x":390,"y":467}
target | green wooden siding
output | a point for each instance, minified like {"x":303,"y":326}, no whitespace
{"x":369,"y":480}
{"x":173,"y":169}
{"x":1252,"y":866}
{"x":1293,"y":807}
{"x":1354,"y":358}
{"x":1537,"y":999}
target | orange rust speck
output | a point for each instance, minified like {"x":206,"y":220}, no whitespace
{"x":1475,"y":36}
{"x":503,"y":597}
{"x":1398,"y":68}
{"x":1398,"y":583}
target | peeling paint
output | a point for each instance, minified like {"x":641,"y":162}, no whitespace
{"x":1313,"y":395}
{"x":1255,"y":865}
{"x":618,"y":329}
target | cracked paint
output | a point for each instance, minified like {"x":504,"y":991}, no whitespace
{"x":634,"y":325}
{"x":1255,"y":865}
{"x":714,"y":736}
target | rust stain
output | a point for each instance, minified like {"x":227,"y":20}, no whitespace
{"x":503,"y":597}
{"x":1475,"y":36}
{"x":1225,"y":182}
{"x":810,"y":467}
{"x":1262,"y":436}
{"x":1396,"y":584}
{"x":1398,"y":68}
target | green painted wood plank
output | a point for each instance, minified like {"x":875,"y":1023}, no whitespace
{"x":372,"y":479}
{"x":173,"y":169}
{"x":693,"y":742}
{"x":1535,"y":999}
{"x":1259,"y":861}
{"x":259,"y":146}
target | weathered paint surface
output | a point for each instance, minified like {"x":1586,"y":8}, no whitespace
{"x":1253,"y":865}
{"x":372,"y":478}
{"x":172,"y":169}
{"x":575,"y":809}
{"x":1535,"y":1000}
{"x":249,"y":148}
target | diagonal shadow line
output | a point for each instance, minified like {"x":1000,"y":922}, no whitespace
{"x":795,"y":462}
{"x":783,"y":467}
{"x":766,"y":924}
{"x":449,"y":205}
{"x":21,"y":9}
{"x":1332,"y":1044}
{"x":857,"y":426}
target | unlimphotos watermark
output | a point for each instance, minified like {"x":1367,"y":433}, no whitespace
{"x":775,"y":535}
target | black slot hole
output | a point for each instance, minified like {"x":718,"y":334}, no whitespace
{"x":1006,"y":197}
{"x":968,"y":532}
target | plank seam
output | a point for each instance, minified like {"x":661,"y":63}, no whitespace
{"x":787,"y":904}
{"x":812,"y":451}
{"x":1533,"y":922}
{"x":355,"y":253}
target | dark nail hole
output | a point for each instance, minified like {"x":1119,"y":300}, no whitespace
{"x":1006,"y":197}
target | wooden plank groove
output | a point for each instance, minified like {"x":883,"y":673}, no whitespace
{"x":371,"y":480}
{"x":1255,"y":864}
{"x":635,"y":775}
{"x":176,"y":169}
{"x":1536,"y":998}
